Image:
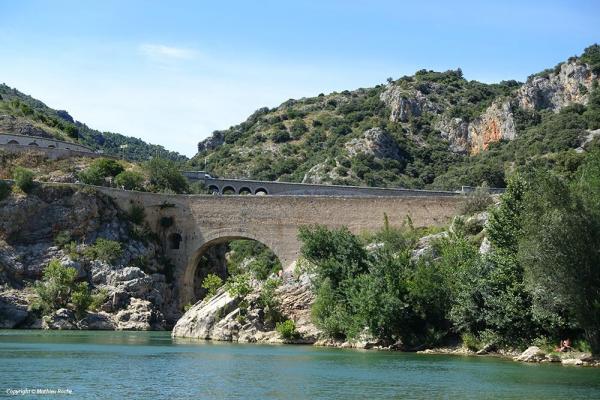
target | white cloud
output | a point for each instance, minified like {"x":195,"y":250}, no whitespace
{"x":164,"y":53}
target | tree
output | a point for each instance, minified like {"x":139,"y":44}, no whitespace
{"x":130,"y":180}
{"x":559,"y":250}
{"x":505,"y":224}
{"x":107,"y":167}
{"x":164,"y":176}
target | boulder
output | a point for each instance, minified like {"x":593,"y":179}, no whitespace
{"x":13,"y":309}
{"x":532,"y":354}
{"x":486,"y":246}
{"x":201,"y":319}
{"x":61,"y":319}
{"x":425,"y":245}
{"x":97,"y":321}
{"x":572,"y":361}
{"x":139,"y":316}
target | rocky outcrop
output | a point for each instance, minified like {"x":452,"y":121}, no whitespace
{"x":140,"y":315}
{"x":570,"y":84}
{"x":495,"y":124}
{"x":456,"y":131}
{"x":11,"y":124}
{"x":61,"y":319}
{"x":425,"y":247}
{"x":13,"y":309}
{"x":222,"y":318}
{"x":532,"y":354}
{"x":376,"y":142}
{"x":97,"y":321}
{"x":404,"y":103}
{"x":139,"y":296}
{"x":212,"y":142}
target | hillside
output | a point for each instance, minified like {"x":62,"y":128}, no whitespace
{"x":25,"y":115}
{"x":432,"y":129}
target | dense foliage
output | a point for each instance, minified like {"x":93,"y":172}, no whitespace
{"x":157,"y":175}
{"x":539,"y":282}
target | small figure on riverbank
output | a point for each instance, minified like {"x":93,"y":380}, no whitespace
{"x":564,"y":346}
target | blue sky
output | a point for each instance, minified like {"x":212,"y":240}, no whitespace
{"x":171,"y":72}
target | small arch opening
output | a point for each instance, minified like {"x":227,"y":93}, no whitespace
{"x":12,"y":142}
{"x":51,"y":146}
{"x":34,"y":144}
{"x":228,"y":190}
{"x":174,"y":241}
{"x":245,"y":191}
{"x":213,"y":189}
{"x":261,"y":192}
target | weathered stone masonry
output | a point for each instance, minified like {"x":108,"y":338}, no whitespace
{"x":195,"y":223}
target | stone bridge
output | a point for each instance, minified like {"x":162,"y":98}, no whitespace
{"x":190,"y":225}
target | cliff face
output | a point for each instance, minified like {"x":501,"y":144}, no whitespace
{"x":138,"y":297}
{"x":572,"y":83}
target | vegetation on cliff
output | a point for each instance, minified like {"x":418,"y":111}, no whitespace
{"x":420,"y":131}
{"x":25,"y":115}
{"x":539,"y":282}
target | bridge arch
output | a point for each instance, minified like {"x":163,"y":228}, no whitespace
{"x":12,"y":142}
{"x":214,"y":189}
{"x":224,"y":236}
{"x":245,"y":191}
{"x":228,"y":190}
{"x":261,"y":191}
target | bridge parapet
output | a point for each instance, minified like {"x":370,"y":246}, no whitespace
{"x":247,"y":186}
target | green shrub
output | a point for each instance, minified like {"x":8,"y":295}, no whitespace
{"x":211,"y":283}
{"x":91,"y":176}
{"x":4,"y":190}
{"x":130,"y":180}
{"x":104,"y":250}
{"x":81,"y":298}
{"x":137,"y":214}
{"x":23,"y":178}
{"x":268,"y":300}
{"x":287,"y":329}
{"x":470,"y":341}
{"x":54,"y":289}
{"x":238,"y":286}
{"x":476,"y":201}
{"x":164,"y":176}
{"x":99,"y":297}
{"x":62,"y":239}
{"x":107,"y":167}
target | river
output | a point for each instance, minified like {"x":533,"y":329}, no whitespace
{"x":132,"y":365}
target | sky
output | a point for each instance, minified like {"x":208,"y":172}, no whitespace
{"x":171,"y":72}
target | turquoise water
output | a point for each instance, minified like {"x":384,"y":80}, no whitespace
{"x":115,"y":365}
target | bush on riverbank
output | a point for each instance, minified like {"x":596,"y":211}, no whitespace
{"x":59,"y":288}
{"x":540,"y":279}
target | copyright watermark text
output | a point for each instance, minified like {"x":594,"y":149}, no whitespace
{"x":38,"y":391}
